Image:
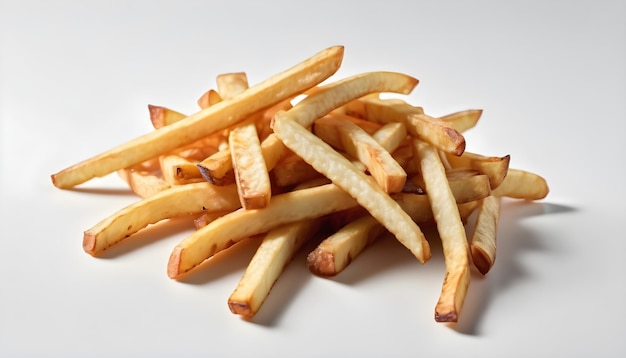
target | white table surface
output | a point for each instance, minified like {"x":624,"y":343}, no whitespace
{"x":75,"y":80}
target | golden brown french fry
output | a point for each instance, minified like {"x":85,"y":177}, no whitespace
{"x":483,"y":239}
{"x":292,"y":170}
{"x":209,"y":98}
{"x":521,"y":184}
{"x":438,"y":133}
{"x":240,"y":224}
{"x":358,"y":143}
{"x":274,"y":253}
{"x":334,"y":253}
{"x":162,"y":116}
{"x":230,"y":85}
{"x":494,"y":167}
{"x":251,"y":175}
{"x":463,"y":120}
{"x":175,"y":201}
{"x":177,"y":170}
{"x":336,"y":94}
{"x":390,"y":136}
{"x":207,"y":121}
{"x":380,"y":110}
{"x":451,"y":231}
{"x":360,"y":186}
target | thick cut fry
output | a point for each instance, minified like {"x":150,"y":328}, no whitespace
{"x":274,"y":253}
{"x":162,"y":116}
{"x":207,"y":121}
{"x":494,"y":167}
{"x":175,"y":201}
{"x":230,"y":85}
{"x":390,"y":136}
{"x":451,"y":232}
{"x":359,"y":144}
{"x":483,"y":240}
{"x":466,"y":185}
{"x":521,"y":184}
{"x":251,"y":175}
{"x":360,"y":186}
{"x":337,"y":251}
{"x":438,"y":133}
{"x":240,"y":224}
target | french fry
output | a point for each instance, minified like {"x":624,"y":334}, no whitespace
{"x":334,"y":253}
{"x":162,"y":116}
{"x":463,"y":120}
{"x":522,"y":184}
{"x":274,"y":253}
{"x":230,"y":85}
{"x":390,"y":136}
{"x":207,"y":121}
{"x":175,"y":201}
{"x":251,"y":175}
{"x":360,"y":186}
{"x":438,"y":133}
{"x":292,"y":170}
{"x":178,"y":170}
{"x":209,"y":98}
{"x":237,"y":225}
{"x":380,"y":110}
{"x":483,"y":239}
{"x":358,"y":143}
{"x":451,"y":232}
{"x":494,"y":167}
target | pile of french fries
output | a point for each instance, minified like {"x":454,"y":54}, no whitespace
{"x":295,"y":158}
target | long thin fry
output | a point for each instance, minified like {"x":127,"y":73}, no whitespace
{"x":273,"y":254}
{"x":451,"y":231}
{"x":207,"y":121}
{"x":172,"y":202}
{"x":230,"y":228}
{"x":522,"y":184}
{"x":360,"y":186}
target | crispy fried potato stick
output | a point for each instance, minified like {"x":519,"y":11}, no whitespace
{"x":350,"y":138}
{"x":521,"y":184}
{"x":173,"y":169}
{"x":162,"y":116}
{"x":451,"y":231}
{"x":207,"y":121}
{"x":336,"y":252}
{"x":209,"y":98}
{"x":463,"y":120}
{"x":390,"y":136}
{"x":483,"y":240}
{"x":274,"y":253}
{"x":175,"y":201}
{"x":439,"y":133}
{"x":240,"y":224}
{"x":495,"y":167}
{"x":251,"y":175}
{"x":230,"y":85}
{"x":360,"y":186}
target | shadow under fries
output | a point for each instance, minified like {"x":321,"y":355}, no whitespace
{"x":514,"y":237}
{"x":162,"y":230}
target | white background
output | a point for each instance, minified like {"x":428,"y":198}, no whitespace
{"x":76,"y":78}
